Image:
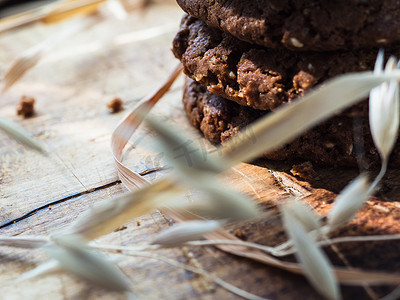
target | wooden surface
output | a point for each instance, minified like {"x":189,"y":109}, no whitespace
{"x":72,"y":85}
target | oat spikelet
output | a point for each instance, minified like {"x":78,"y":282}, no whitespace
{"x":198,"y":169}
{"x":349,"y":201}
{"x":113,"y":213}
{"x":194,"y":162}
{"x":224,"y":203}
{"x":304,"y":214}
{"x":74,"y":256}
{"x":184,"y":232}
{"x":315,"y":264}
{"x":384,"y":109}
{"x":25,"y":62}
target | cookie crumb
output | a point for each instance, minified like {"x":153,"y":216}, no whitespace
{"x":303,"y":81}
{"x":26,"y":107}
{"x":120,"y":228}
{"x":304,"y":170}
{"x":137,"y":223}
{"x":240,"y":234}
{"x":115,"y":105}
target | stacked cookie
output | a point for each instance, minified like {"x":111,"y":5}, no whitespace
{"x":246,"y":58}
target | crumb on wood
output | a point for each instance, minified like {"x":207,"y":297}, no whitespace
{"x":115,"y":105}
{"x":240,"y":234}
{"x":26,"y":107}
{"x":304,"y":170}
{"x":120,"y":228}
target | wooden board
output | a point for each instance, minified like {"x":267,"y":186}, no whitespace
{"x":72,"y":85}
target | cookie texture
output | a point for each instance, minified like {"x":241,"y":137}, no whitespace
{"x":256,"y":76}
{"x":303,"y":25}
{"x":340,"y":141}
{"x":217,"y":118}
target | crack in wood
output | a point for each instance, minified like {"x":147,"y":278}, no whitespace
{"x":70,"y":197}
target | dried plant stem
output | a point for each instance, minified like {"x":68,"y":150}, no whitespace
{"x":27,"y":16}
{"x":231,"y":288}
{"x":344,"y":276}
{"x":29,"y":58}
{"x":276,"y":251}
{"x":379,"y":177}
{"x":128,"y":126}
{"x":24,"y":241}
{"x":394,"y":295}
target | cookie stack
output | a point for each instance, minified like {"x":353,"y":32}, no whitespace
{"x":246,"y":58}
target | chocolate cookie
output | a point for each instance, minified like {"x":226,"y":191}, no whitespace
{"x":256,"y":76}
{"x":216,"y":117}
{"x":303,"y":25}
{"x":336,"y":142}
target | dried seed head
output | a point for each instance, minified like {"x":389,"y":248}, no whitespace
{"x":184,"y":232}
{"x":223,"y":203}
{"x":74,"y":256}
{"x":384,"y":109}
{"x":304,"y":214}
{"x":191,"y":161}
{"x":315,"y":264}
{"x":349,"y":201}
{"x":113,"y":213}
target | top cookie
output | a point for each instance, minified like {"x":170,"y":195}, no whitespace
{"x":303,"y":25}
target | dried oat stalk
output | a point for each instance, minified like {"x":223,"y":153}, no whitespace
{"x":291,"y":120}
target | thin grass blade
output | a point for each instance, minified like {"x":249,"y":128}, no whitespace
{"x":46,"y":268}
{"x":21,"y":135}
